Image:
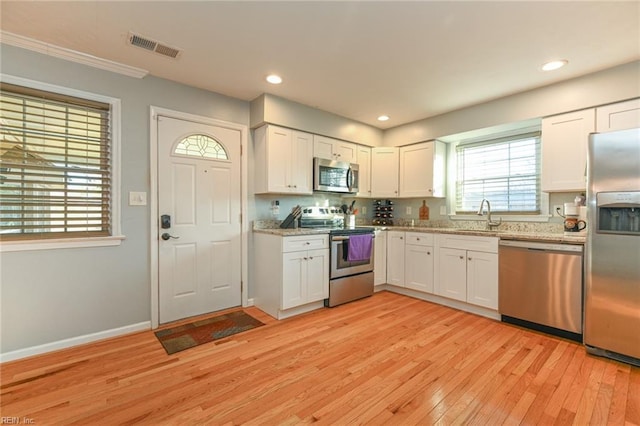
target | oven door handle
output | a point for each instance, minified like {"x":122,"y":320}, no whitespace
{"x":343,"y":238}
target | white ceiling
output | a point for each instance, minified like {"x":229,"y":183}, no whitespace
{"x":410,"y":60}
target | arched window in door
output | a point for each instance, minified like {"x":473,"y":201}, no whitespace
{"x":201,"y":146}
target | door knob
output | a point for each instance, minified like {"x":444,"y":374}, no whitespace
{"x":166,"y":236}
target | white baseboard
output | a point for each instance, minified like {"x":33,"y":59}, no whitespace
{"x":250,"y":302}
{"x":462,"y":306}
{"x":74,"y":341}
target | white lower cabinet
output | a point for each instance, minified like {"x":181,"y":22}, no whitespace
{"x":395,"y":258}
{"x":380,"y":258}
{"x":410,"y":260}
{"x":303,"y":277}
{"x":291,"y":273}
{"x":468,"y":269}
{"x":452,"y":279}
{"x":418,"y":262}
{"x":482,"y":279}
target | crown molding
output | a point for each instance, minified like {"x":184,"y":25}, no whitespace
{"x":70,"y":55}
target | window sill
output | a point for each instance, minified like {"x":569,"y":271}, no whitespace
{"x":61,"y":243}
{"x":505,"y":218}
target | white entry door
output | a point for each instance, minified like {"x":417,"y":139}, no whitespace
{"x":199,"y":249}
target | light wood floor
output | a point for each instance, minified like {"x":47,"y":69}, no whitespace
{"x":388,"y":359}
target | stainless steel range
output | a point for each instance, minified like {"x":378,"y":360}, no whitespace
{"x":351,"y":255}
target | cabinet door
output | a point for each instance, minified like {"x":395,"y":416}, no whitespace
{"x":419,"y":268}
{"x":564,"y":150}
{"x":380,"y":258}
{"x":384,"y":172}
{"x":278,"y":159}
{"x":416,"y":170}
{"x":345,"y":151}
{"x":364,"y":171}
{"x":294,"y":279}
{"x":452,"y":279}
{"x":619,"y":116}
{"x":317,"y":264}
{"x":334,"y":149}
{"x":323,"y":147}
{"x":482,"y":279}
{"x":395,"y":258}
{"x":301,"y":164}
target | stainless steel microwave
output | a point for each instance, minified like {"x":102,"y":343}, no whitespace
{"x":334,"y":176}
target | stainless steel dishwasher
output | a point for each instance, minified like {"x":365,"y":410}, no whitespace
{"x":540,"y":286}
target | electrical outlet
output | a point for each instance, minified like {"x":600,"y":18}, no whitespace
{"x":557,"y":209}
{"x":363,"y":210}
{"x":408,"y":210}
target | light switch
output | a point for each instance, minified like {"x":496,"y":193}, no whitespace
{"x":137,"y":198}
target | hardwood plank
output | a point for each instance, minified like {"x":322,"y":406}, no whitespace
{"x":388,"y":359}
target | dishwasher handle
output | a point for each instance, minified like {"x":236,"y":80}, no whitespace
{"x":530,"y":245}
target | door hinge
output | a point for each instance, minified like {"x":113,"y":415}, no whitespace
{"x":241,"y":286}
{"x":241,"y":150}
{"x":240,"y":218}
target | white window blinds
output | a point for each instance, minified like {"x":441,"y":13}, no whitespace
{"x":505,"y":171}
{"x":55,"y":169}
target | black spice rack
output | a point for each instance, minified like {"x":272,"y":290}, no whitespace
{"x":382,"y":212}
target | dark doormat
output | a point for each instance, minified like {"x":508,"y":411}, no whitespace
{"x":195,"y":333}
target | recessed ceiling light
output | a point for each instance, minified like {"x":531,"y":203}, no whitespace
{"x":383,"y":118}
{"x":554,"y":65}
{"x":274,"y":79}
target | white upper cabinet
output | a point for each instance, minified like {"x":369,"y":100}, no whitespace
{"x":364,"y":171}
{"x":422,"y":170}
{"x":284,"y":160}
{"x":334,"y":149}
{"x":564,"y":150}
{"x":384,"y":172}
{"x":619,"y":116}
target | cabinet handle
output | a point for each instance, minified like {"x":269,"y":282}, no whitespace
{"x":295,"y":186}
{"x":310,"y":257}
{"x":461,"y":257}
{"x":304,"y":258}
{"x":308,"y":243}
{"x":401,"y":238}
{"x":417,"y":239}
{"x":469,"y":258}
{"x":428,"y":252}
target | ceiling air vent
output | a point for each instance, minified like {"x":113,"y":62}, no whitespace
{"x":153,"y":46}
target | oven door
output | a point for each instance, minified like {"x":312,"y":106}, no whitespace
{"x":343,"y":268}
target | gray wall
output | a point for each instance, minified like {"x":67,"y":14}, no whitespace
{"x":51,"y":295}
{"x":608,"y":86}
{"x":272,"y":109}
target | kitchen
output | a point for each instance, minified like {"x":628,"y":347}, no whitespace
{"x":119,"y":293}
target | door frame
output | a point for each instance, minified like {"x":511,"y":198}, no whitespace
{"x":153,"y":200}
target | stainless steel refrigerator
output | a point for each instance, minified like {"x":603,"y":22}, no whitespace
{"x":612,"y":284}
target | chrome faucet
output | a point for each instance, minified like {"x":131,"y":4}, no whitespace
{"x":490,"y":223}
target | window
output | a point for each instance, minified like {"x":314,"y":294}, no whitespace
{"x":201,"y":146}
{"x":505,"y":171}
{"x":55,"y":165}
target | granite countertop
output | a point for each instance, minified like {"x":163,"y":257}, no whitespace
{"x":506,"y":234}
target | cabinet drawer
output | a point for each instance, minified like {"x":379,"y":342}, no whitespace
{"x":465,"y":242}
{"x":305,"y":242}
{"x":419,"y":239}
